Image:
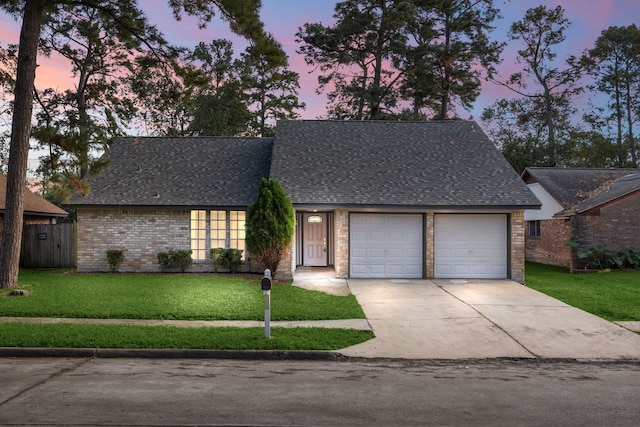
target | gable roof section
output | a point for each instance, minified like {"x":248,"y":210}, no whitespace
{"x":33,"y":204}
{"x":189,"y":171}
{"x":449,"y":164}
{"x":581,"y":189}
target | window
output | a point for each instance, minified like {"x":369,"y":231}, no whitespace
{"x":199,"y":234}
{"x":534,"y":228}
{"x":236,"y":230}
{"x":216,"y":229}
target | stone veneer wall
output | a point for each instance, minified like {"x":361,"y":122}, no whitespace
{"x":550,"y":247}
{"x":341,"y":239}
{"x":517,"y":246}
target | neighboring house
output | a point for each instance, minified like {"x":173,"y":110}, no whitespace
{"x":374,"y":199}
{"x":596,"y":206}
{"x":36,"y":209}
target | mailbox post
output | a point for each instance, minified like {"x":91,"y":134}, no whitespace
{"x":266,"y":290}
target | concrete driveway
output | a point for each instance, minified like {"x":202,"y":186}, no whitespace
{"x":471,"y":319}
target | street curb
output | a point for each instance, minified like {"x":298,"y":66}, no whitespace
{"x":117,"y":353}
{"x":106,"y":353}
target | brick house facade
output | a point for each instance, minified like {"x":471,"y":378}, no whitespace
{"x":368,"y":198}
{"x":596,"y":206}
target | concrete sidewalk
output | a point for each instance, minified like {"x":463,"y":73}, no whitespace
{"x":477,"y":319}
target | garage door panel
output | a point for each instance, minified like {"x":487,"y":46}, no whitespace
{"x":392,"y":245}
{"x":470,"y":245}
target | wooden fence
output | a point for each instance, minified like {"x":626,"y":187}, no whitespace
{"x":48,"y":246}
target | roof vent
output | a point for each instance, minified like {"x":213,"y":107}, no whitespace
{"x":139,"y":167}
{"x":157,"y":195}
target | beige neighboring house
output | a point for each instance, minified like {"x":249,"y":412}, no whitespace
{"x":373,"y":199}
{"x":36,"y":209}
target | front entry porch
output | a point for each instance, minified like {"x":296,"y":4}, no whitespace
{"x":314,"y":239}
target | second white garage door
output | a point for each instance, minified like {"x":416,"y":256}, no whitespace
{"x":471,"y":246}
{"x":386,"y":246}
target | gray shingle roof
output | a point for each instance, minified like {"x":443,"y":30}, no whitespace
{"x":581,"y":189}
{"x":382,"y":163}
{"x":202,"y":171}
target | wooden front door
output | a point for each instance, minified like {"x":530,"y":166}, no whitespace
{"x":315,"y":239}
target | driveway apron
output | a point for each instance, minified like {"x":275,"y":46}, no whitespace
{"x":472,"y":319}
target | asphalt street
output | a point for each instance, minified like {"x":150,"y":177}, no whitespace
{"x":161,"y":392}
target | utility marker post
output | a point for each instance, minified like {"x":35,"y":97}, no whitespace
{"x":266,"y":290}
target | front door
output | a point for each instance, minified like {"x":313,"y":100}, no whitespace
{"x":315,"y":239}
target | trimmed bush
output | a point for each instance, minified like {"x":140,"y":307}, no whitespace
{"x":216,"y":255}
{"x":175,"y":259}
{"x":114,"y":258}
{"x":228,"y":259}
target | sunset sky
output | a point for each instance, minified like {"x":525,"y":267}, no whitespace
{"x":283,"y":18}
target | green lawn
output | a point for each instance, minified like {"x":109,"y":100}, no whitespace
{"x":169,"y":297}
{"x":175,"y":297}
{"x":614,"y":295}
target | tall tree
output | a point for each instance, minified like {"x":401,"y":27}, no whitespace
{"x":449,"y":52}
{"x":271,"y":89}
{"x":8,"y":59}
{"x":242,"y":16}
{"x":540,"y":31}
{"x":83,"y":120}
{"x":356,"y":54}
{"x":219,"y":104}
{"x":615,"y":63}
{"x":19,"y":148}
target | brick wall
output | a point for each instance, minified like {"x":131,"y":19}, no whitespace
{"x":430,"y":246}
{"x":517,"y":255}
{"x":550,"y":247}
{"x":141,"y":234}
{"x":615,"y":225}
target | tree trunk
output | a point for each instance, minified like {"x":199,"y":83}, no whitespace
{"x":630,"y":120}
{"x":19,"y":150}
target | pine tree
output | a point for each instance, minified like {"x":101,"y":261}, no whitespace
{"x":270,"y":224}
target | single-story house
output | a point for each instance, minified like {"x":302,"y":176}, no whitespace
{"x":596,"y":206}
{"x":373,"y":199}
{"x":36,"y":209}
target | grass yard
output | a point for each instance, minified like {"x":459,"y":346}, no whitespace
{"x":614,"y":295}
{"x":170,"y":297}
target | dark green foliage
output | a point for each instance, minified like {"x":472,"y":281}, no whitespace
{"x":602,"y":258}
{"x":381,"y":56}
{"x":115,"y":258}
{"x":175,"y":259}
{"x":232,"y":259}
{"x":216,"y":255}
{"x":228,"y":259}
{"x":270,"y":224}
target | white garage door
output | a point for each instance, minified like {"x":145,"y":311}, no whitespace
{"x":471,"y":246}
{"x":386,"y":246}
